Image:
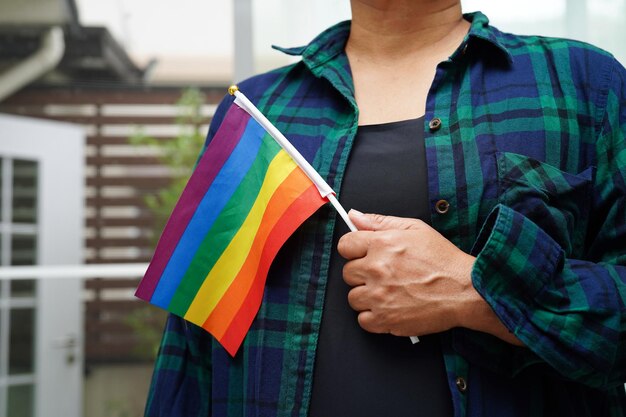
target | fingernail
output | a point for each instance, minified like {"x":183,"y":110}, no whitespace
{"x":354,"y":211}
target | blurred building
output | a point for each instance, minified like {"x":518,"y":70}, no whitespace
{"x":72,"y":190}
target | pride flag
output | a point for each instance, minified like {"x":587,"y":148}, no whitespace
{"x":243,"y":201}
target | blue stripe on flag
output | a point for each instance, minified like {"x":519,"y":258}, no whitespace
{"x":212,"y":204}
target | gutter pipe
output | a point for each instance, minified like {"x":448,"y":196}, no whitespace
{"x":46,"y":58}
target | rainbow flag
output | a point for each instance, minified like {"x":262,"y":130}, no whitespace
{"x":243,"y":201}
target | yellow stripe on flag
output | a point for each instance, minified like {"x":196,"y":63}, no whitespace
{"x":230,"y":262}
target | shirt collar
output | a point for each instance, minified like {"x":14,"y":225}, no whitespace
{"x":332,"y":41}
{"x":324,"y":47}
{"x":481,"y":30}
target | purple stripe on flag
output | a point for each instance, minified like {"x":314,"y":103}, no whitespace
{"x":218,"y":151}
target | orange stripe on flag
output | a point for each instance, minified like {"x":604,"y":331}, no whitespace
{"x":291,"y":189}
{"x":300,"y":210}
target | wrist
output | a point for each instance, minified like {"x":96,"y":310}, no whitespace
{"x":475,"y":313}
{"x":469,"y":306}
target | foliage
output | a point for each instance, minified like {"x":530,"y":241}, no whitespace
{"x":178,"y":155}
{"x":147,"y":322}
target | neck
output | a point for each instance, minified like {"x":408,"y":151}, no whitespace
{"x":386,"y":28}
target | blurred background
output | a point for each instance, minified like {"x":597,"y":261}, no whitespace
{"x":103,"y":109}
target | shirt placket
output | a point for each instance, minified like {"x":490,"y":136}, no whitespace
{"x":442,"y":162}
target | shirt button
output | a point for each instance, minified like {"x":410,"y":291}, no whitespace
{"x":434,"y":124}
{"x":442,"y":206}
{"x":461,"y":384}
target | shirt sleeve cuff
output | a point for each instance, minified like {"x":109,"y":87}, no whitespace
{"x":515,"y":259}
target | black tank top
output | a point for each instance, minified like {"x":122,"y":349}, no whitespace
{"x":360,"y":374}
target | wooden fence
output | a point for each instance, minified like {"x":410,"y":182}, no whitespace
{"x":118,"y":225}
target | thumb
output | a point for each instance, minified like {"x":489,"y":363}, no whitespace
{"x":375,"y":222}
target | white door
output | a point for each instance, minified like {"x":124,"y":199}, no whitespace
{"x":41,"y":223}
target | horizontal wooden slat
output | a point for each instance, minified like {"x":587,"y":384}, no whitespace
{"x":114,"y":305}
{"x":120,"y":328}
{"x":123,"y":160}
{"x":123,"y":120}
{"x":148,"y":95}
{"x":117,"y":140}
{"x":115,"y":201}
{"x":118,"y":260}
{"x":104,"y":348}
{"x":103,"y":242}
{"x":115,"y":352}
{"x":140,"y":182}
{"x":97,"y":328}
{"x":143,"y":221}
{"x":101,"y":284}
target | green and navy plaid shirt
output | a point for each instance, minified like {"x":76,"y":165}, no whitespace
{"x":530,"y":154}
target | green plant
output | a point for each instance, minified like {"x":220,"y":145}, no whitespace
{"x":179,"y":154}
{"x":147,"y":324}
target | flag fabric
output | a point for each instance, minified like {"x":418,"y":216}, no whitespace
{"x":243,"y":201}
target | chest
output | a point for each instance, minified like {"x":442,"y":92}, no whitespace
{"x":392,"y":93}
{"x":492,"y":136}
{"x":500,"y":139}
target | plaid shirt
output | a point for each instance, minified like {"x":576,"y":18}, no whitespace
{"x":530,"y":154}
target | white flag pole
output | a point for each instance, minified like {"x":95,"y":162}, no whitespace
{"x":322,"y":186}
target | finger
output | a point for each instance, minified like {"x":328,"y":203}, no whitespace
{"x":353,"y":273}
{"x":375,"y":222}
{"x":353,"y":245}
{"x":367,"y":321}
{"x":358,"y":298}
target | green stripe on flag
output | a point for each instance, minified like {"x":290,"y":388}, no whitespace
{"x":224,"y":229}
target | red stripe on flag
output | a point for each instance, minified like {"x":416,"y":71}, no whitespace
{"x":300,"y":210}
{"x":290,"y":190}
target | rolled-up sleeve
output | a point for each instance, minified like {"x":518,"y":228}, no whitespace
{"x":570,"y":313}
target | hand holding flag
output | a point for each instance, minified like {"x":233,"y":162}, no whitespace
{"x":250,"y":191}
